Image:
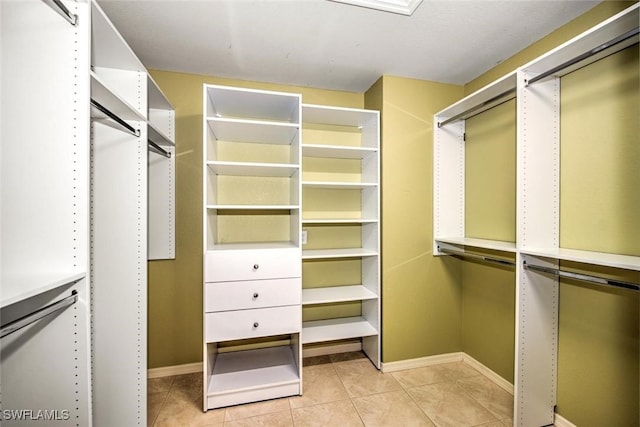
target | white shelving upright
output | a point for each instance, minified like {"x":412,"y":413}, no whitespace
{"x":45,"y":210}
{"x":365,"y":124}
{"x":132,"y":193}
{"x":251,"y":245}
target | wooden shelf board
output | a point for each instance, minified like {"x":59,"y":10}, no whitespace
{"x":254,"y":207}
{"x":157,"y":136}
{"x":253,"y":245}
{"x":339,"y":185}
{"x":241,"y":130}
{"x":336,"y":329}
{"x":339,"y":221}
{"x":256,"y":104}
{"x":336,"y":294}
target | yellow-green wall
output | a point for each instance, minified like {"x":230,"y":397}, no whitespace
{"x":598,"y":357}
{"x":421,"y":295}
{"x":175,"y":286}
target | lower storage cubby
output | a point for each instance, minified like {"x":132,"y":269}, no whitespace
{"x":252,"y":375}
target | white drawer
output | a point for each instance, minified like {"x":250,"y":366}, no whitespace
{"x":225,"y":296}
{"x":260,"y":322}
{"x":252,"y":264}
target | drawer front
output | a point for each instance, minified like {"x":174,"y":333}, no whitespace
{"x":258,"y":264}
{"x":261,"y":322}
{"x":225,"y":296}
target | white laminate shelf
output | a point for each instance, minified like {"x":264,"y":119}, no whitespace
{"x":595,"y":258}
{"x":328,"y":221}
{"x":252,"y":169}
{"x":337,"y":253}
{"x":252,"y":246}
{"x":333,"y":294}
{"x":339,"y":185}
{"x":106,"y":97}
{"x":250,"y":369}
{"x":338,"y":116}
{"x":254,"y":207}
{"x":336,"y":329}
{"x":16,"y":289}
{"x":251,"y":103}
{"x":337,"y":151}
{"x":497,"y":245}
{"x":157,"y":136}
{"x":242,"y":130}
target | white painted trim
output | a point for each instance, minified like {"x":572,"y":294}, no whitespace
{"x":560,"y":421}
{"x":504,"y":384}
{"x":422,"y":361}
{"x":331,"y":349}
{"x":168,"y":371}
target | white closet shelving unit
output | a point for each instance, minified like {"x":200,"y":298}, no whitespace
{"x":365,"y":124}
{"x":251,"y":243}
{"x":45,"y":213}
{"x":131,"y":218}
{"x":537,"y":247}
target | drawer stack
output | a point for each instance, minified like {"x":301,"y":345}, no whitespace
{"x":252,"y":254}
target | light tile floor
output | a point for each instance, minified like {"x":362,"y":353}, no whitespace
{"x":347,"y":390}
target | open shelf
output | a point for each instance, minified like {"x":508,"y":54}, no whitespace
{"x":16,"y":289}
{"x":251,"y":103}
{"x":321,"y":114}
{"x":497,"y":245}
{"x":252,"y":246}
{"x":337,"y":253}
{"x":337,"y":151}
{"x":604,"y":259}
{"x":254,"y":207}
{"x":336,"y":329}
{"x":109,"y":99}
{"x":242,"y":130}
{"x":338,"y":221}
{"x":339,"y":185}
{"x":157,"y":136}
{"x":251,"y":369}
{"x":253,"y":169}
{"x":336,"y":294}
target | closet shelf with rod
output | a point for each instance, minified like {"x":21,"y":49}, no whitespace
{"x":28,"y":319}
{"x":59,"y":7}
{"x":582,"y":277}
{"x":108,"y":113}
{"x":477,"y":257}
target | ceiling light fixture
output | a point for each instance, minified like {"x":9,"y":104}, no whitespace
{"x":403,"y":7}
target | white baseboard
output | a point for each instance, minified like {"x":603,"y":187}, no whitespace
{"x":504,"y":384}
{"x":168,"y":371}
{"x":422,"y":361}
{"x":331,"y":349}
{"x":560,"y":421}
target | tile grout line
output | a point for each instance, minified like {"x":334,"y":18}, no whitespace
{"x":164,"y":401}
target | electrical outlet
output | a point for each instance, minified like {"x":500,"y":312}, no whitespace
{"x":304,"y":237}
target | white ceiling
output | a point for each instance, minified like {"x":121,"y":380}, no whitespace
{"x":325,"y":44}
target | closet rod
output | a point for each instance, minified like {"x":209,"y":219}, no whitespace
{"x":621,"y":38}
{"x":112,"y":116}
{"x":155,"y":147}
{"x":30,"y":318}
{"x":63,"y":11}
{"x":583,"y":277}
{"x":478,"y":107}
{"x":476,"y":257}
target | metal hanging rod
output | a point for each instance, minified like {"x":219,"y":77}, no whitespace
{"x":621,"y":38}
{"x":156,"y":148}
{"x":466,"y":113}
{"x":115,"y":118}
{"x":489,"y":259}
{"x":30,"y":318}
{"x":63,"y":11}
{"x":583,"y":277}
